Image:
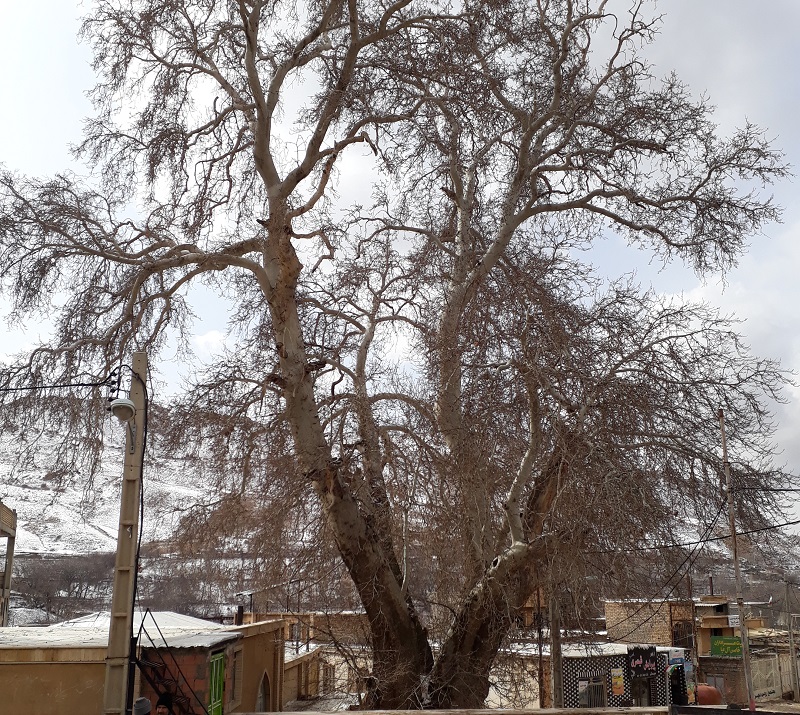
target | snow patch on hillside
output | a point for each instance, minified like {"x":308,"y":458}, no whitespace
{"x":74,"y":517}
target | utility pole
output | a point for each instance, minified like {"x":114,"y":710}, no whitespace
{"x":117,"y":695}
{"x":792,"y":659}
{"x":556,"y":664}
{"x":748,"y":676}
{"x":539,"y":640}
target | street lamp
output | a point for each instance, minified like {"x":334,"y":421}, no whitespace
{"x":124,"y":409}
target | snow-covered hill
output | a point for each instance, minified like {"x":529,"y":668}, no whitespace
{"x":74,"y":517}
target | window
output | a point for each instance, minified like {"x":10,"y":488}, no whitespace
{"x":236,"y":677}
{"x":216,"y":683}
{"x":682,"y":636}
{"x":294,"y":631}
{"x":592,"y":692}
{"x":328,"y":675}
{"x":262,"y":699}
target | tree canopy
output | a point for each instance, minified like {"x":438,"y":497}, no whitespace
{"x":428,"y":367}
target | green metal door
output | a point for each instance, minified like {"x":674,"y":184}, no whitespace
{"x":216,"y":683}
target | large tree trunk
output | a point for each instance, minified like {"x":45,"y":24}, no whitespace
{"x":401,"y":654}
{"x":460,"y":677}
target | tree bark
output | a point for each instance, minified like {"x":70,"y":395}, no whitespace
{"x":401,"y":653}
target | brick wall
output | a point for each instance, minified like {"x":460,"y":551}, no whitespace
{"x":641,"y":622}
{"x":732,"y":670}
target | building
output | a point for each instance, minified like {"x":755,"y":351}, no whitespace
{"x":8,"y":532}
{"x":719,"y":648}
{"x":667,"y":623}
{"x":600,"y":675}
{"x":205,"y":666}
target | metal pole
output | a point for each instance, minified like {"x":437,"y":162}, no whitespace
{"x":540,"y":641}
{"x":116,"y":698}
{"x":748,"y":676}
{"x":790,"y":627}
{"x":556,"y":663}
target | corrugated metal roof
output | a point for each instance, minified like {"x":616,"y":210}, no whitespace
{"x":164,"y":619}
{"x":176,"y":631}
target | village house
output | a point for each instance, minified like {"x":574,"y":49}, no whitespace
{"x":205,"y":666}
{"x":709,"y":628}
{"x":8,"y":532}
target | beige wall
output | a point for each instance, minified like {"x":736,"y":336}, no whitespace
{"x":301,"y":677}
{"x":514,"y":682}
{"x":262,"y":651}
{"x":348,"y":628}
{"x":31,"y":684}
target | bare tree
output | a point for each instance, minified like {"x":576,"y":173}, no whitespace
{"x":502,"y":140}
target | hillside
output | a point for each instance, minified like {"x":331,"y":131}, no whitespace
{"x":57,"y":515}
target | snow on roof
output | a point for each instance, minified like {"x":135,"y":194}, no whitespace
{"x":576,"y":650}
{"x":587,"y":650}
{"x":164,"y":619}
{"x":174,"y":631}
{"x":291,"y":653}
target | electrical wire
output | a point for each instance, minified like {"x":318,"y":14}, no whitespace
{"x":32,"y":388}
{"x":660,"y":547}
{"x":690,"y":559}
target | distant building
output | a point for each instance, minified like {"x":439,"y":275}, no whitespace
{"x":667,"y":623}
{"x":8,"y":532}
{"x":719,"y":648}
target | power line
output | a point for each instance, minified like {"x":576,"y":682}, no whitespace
{"x":105,"y":382}
{"x":690,"y":558}
{"x":660,"y":547}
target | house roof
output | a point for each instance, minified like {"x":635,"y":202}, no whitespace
{"x":162,"y":629}
{"x":164,"y":619}
{"x":578,"y":650}
{"x":290,"y":653}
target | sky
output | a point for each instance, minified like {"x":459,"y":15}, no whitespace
{"x":740,"y":53}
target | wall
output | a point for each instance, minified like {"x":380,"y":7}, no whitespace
{"x":513,"y":682}
{"x":31,"y":684}
{"x":262,"y":652}
{"x":642,"y":622}
{"x":732,"y":670}
{"x":301,"y":677}
{"x":344,"y":627}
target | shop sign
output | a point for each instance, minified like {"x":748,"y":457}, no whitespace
{"x":726,"y":646}
{"x":617,"y":681}
{"x":676,"y":656}
{"x":642,"y":661}
{"x":688,"y":671}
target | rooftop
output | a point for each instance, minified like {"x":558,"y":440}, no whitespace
{"x":161,"y":629}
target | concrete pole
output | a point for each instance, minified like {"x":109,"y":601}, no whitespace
{"x":748,"y":676}
{"x":116,"y":700}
